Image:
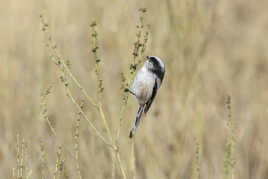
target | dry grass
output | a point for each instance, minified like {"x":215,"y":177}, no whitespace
{"x":212,"y":50}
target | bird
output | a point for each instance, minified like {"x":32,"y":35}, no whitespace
{"x":145,"y":85}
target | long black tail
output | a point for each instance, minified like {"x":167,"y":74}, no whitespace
{"x":137,"y":121}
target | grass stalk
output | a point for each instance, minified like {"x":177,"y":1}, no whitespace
{"x":56,"y":58}
{"x":96,"y":131}
{"x":115,"y":151}
{"x":44,"y":110}
{"x":76,"y":137}
{"x":133,"y":160}
{"x":229,"y":159}
{"x":196,"y":163}
{"x":139,"y":49}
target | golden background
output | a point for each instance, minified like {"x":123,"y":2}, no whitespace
{"x":211,"y":49}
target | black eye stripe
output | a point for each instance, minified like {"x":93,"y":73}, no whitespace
{"x":157,"y":70}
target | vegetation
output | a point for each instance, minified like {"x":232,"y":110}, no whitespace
{"x":64,"y":111}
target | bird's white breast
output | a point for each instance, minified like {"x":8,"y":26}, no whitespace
{"x":143,"y":85}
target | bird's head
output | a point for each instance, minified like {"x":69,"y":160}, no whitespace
{"x":156,"y":66}
{"x":153,"y":63}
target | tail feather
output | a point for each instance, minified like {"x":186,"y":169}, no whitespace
{"x":137,"y":121}
{"x":132,"y":132}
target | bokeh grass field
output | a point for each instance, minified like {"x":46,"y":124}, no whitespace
{"x":209,"y":119}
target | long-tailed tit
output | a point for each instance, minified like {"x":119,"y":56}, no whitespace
{"x":145,"y":85}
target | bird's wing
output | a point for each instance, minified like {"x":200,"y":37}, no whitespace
{"x":150,"y":101}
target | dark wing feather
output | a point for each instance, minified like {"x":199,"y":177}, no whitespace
{"x":150,"y":101}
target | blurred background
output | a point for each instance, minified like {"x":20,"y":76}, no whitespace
{"x":211,"y":49}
